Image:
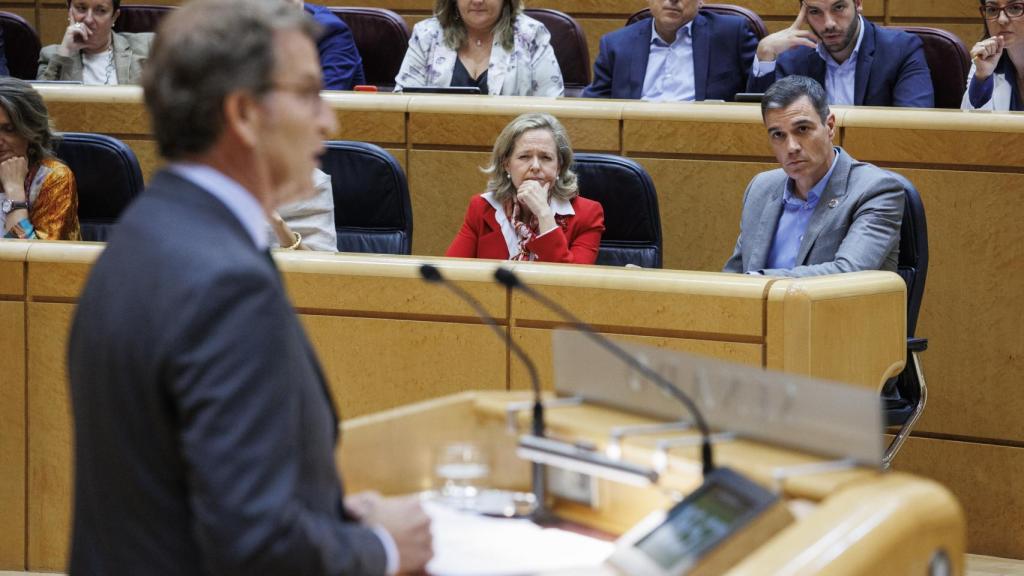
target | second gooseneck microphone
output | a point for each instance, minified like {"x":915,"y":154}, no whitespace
{"x":510,"y":280}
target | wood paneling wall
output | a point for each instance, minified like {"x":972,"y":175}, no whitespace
{"x":701,"y":157}
{"x":386,"y":339}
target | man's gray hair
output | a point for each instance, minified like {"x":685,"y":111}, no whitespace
{"x":203,"y":52}
{"x":784,"y":92}
{"x":455,"y":35}
{"x":27,"y":113}
{"x":500,"y":183}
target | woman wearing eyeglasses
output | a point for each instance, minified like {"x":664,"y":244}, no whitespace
{"x":996,"y":80}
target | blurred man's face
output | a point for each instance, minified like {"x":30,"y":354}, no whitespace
{"x":295,"y":119}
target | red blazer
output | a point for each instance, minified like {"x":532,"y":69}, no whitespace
{"x":480,"y":236}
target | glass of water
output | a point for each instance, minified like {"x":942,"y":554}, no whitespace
{"x":461,"y":470}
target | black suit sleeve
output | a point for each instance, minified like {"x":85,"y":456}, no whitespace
{"x":240,"y":365}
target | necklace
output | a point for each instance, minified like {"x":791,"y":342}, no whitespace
{"x":479,"y":43}
{"x":110,"y":63}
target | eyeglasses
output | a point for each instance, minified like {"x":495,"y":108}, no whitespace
{"x":992,"y":12}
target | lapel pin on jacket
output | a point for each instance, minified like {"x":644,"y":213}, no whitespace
{"x":833,"y":203}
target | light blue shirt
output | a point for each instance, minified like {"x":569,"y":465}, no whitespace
{"x":840,"y":79}
{"x":796,"y":215}
{"x":239,"y":201}
{"x":669,"y":76}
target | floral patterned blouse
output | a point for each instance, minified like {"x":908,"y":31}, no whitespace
{"x":53,"y":204}
{"x":530,"y":69}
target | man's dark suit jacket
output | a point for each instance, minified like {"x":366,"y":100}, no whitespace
{"x":3,"y":56}
{"x":891,"y":69}
{"x":723,"y":51}
{"x":204,"y":434}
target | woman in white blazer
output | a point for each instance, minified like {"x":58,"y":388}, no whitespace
{"x":485,"y":43}
{"x":996,"y":80}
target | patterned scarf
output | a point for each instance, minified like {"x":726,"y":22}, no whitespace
{"x":527,"y":230}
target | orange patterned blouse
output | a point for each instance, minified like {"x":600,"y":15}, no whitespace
{"x":53,"y":201}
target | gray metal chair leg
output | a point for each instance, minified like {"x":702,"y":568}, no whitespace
{"x":908,"y":426}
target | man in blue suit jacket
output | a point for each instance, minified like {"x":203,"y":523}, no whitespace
{"x":3,"y":56}
{"x":857,"y":62}
{"x":339,"y":58}
{"x":679,"y":54}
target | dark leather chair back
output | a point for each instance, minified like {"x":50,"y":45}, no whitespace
{"x":913,"y":259}
{"x":140,"y":17}
{"x":570,"y":46}
{"x":949,"y":62}
{"x":372,"y":208}
{"x":381,"y":37}
{"x":631,"y":218}
{"x":21,"y":46}
{"x":108,"y":177}
{"x":753,"y":20}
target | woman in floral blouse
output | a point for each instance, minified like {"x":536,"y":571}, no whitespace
{"x":38,"y":198}
{"x":489,"y":44}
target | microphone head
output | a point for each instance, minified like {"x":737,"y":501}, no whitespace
{"x":430,"y":273}
{"x":506,"y":277}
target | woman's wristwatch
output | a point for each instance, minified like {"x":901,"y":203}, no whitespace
{"x":9,"y":206}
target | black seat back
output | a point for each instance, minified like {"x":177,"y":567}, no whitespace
{"x":913,"y":259}
{"x":382,"y":37}
{"x":372,"y":208}
{"x":108,"y":177}
{"x":632,"y":221}
{"x":21,"y":46}
{"x":140,"y":17}
{"x":570,"y":46}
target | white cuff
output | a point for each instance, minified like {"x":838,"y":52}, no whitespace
{"x":762,"y":68}
{"x":553,"y":228}
{"x":390,"y":549}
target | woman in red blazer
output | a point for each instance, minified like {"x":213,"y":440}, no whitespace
{"x":532,"y":209}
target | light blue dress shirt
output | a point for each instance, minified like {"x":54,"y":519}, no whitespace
{"x":669,"y":76}
{"x":796,"y":215}
{"x":840,"y":79}
{"x":238,"y":200}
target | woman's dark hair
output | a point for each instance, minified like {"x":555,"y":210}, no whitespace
{"x":27,"y":112}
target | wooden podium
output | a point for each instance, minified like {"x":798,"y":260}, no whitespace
{"x":855,"y":521}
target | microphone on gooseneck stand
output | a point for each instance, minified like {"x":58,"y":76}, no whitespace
{"x":510,"y":280}
{"x":431,"y":273}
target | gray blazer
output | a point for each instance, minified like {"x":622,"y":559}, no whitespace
{"x":855,"y":226}
{"x":130,"y":54}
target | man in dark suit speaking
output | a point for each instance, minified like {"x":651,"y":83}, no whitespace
{"x":822,"y":212}
{"x":678,"y":54}
{"x":204,"y":431}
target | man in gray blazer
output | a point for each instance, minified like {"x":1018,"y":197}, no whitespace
{"x":204,"y":430}
{"x":823,"y":212}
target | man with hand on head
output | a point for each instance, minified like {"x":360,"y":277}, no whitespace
{"x":678,"y":54}
{"x":856,"y":61}
{"x":204,"y":430}
{"x":823,"y":212}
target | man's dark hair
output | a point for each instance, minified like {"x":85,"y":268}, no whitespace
{"x":784,"y":92}
{"x":204,"y":51}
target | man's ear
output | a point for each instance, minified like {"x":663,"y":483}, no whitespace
{"x":860,"y":6}
{"x":242,"y":117}
{"x":831,"y":123}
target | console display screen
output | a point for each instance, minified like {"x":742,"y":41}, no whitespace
{"x":694,"y":526}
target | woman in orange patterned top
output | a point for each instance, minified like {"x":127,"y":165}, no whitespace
{"x":38,"y":198}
